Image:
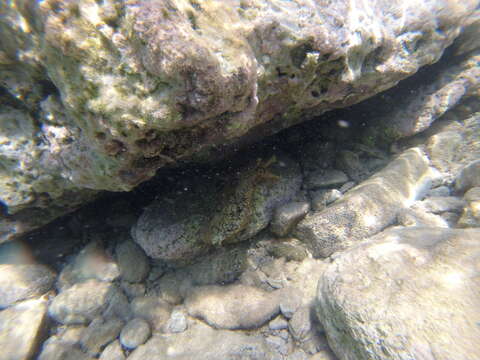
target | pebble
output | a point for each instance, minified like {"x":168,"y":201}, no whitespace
{"x":325,"y":179}
{"x":469,"y":177}
{"x":287,"y":216}
{"x":278,"y":323}
{"x":322,"y":198}
{"x":135,"y":333}
{"x":113,"y":351}
{"x":300,"y":324}
{"x":99,"y":333}
{"x":153,"y":309}
{"x":132,"y":261}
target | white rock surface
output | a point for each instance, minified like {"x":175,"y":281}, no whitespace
{"x":21,"y":329}
{"x":20,"y":282}
{"x":411,"y":293}
{"x":369,"y":207}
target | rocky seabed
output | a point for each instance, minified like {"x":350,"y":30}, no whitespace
{"x":355,"y":236}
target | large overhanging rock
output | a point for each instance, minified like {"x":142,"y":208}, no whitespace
{"x":99,"y":95}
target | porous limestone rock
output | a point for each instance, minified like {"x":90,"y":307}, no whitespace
{"x":369,"y":207}
{"x":406,"y":293}
{"x":122,"y":88}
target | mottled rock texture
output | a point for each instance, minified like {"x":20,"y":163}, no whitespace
{"x":182,"y":227}
{"x":369,"y":207}
{"x":99,"y":95}
{"x":404,"y":294}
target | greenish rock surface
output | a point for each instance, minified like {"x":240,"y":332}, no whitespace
{"x":99,"y":95}
{"x":406,"y":293}
{"x":210,"y":215}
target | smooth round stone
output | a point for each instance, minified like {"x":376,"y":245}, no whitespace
{"x":135,"y":333}
{"x":133,"y":263}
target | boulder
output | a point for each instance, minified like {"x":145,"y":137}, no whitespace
{"x":369,"y":207}
{"x":20,"y":281}
{"x":85,"y":301}
{"x":120,"y":89}
{"x":209,"y":214}
{"x":406,"y":293}
{"x":21,"y":329}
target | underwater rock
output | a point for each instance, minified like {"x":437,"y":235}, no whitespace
{"x":135,"y":333}
{"x":203,"y":343}
{"x":119,"y":89}
{"x":20,"y":282}
{"x":232,"y":307}
{"x":411,"y":293}
{"x":369,"y":207}
{"x":85,"y":301}
{"x":183,"y":228}
{"x":21,"y":329}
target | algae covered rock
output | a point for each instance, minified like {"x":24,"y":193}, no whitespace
{"x":210,"y":215}
{"x":99,"y":95}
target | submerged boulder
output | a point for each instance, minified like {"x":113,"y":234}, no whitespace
{"x":407,"y":293}
{"x":99,"y":95}
{"x":369,"y":207}
{"x":181,"y":228}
